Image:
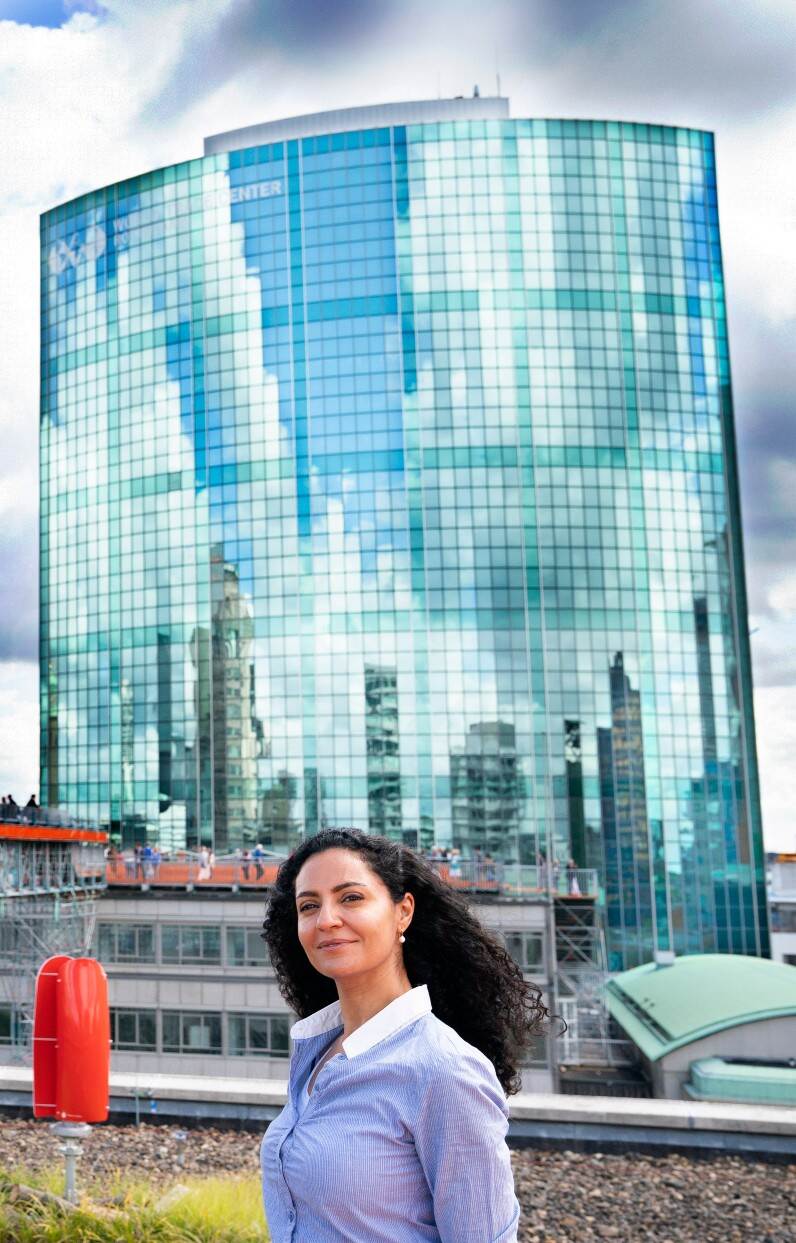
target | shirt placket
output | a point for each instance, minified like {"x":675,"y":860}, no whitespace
{"x":287,"y":1140}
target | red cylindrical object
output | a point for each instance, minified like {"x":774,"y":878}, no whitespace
{"x":71,"y":1041}
{"x":45,"y":1038}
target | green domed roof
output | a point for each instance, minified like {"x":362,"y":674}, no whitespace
{"x":662,"y":1008}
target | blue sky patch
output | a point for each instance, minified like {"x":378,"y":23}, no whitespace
{"x":52,"y":13}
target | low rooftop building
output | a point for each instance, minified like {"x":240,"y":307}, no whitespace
{"x":701,"y":1006}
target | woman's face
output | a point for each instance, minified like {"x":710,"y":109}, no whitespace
{"x":348,"y":924}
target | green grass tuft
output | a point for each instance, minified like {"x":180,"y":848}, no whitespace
{"x":214,"y":1210}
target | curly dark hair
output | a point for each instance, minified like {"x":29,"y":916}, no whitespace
{"x":474,"y":984}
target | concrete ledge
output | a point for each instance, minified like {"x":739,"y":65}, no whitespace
{"x":672,"y":1115}
{"x":533,"y":1117}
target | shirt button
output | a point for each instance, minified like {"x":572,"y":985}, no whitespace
{"x":291,"y":1216}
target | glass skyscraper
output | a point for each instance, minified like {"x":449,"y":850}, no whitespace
{"x":388,"y":479}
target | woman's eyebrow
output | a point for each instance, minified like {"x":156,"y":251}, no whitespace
{"x":346,"y":884}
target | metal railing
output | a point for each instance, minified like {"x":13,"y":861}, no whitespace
{"x":187,"y":869}
{"x":34,"y":867}
{"x":45,"y":817}
{"x":515,"y":879}
{"x":595,"y":1051}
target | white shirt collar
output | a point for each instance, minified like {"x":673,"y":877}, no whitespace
{"x":399,"y":1013}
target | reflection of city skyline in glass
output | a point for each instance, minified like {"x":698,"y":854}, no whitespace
{"x":388,"y":480}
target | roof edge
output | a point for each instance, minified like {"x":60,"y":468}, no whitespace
{"x":367,"y":116}
{"x":699,"y":1033}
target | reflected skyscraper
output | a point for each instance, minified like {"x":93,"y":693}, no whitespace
{"x":486,"y":789}
{"x":230,"y":735}
{"x":383,"y":751}
{"x":388,"y":479}
{"x":626,"y":842}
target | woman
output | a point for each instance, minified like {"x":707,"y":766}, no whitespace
{"x":412,"y":1022}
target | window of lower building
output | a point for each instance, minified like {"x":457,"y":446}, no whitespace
{"x":790,"y":959}
{"x":190,"y":943}
{"x":122,"y":942}
{"x":783,"y":919}
{"x":134,"y":1029}
{"x":527,"y":949}
{"x":12,"y":1029}
{"x":246,"y":948}
{"x":536,"y":1053}
{"x":258,"y":1035}
{"x":191,"y":1033}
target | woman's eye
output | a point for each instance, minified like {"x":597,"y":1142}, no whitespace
{"x":311,"y":906}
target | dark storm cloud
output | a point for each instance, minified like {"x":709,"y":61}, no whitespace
{"x":298,"y":32}
{"x":692,"y":61}
{"x":571,"y":21}
{"x":19,"y":615}
{"x":725,"y":60}
{"x":764,"y":383}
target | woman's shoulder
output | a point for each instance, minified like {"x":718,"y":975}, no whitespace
{"x":441,"y":1051}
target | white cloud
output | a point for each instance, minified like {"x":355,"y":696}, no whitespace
{"x":19,"y":729}
{"x":775,"y":718}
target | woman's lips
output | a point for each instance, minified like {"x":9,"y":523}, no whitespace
{"x":333,"y":945}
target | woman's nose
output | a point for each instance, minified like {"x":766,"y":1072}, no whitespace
{"x":328,"y":915}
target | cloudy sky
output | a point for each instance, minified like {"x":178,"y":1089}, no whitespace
{"x":92,"y":92}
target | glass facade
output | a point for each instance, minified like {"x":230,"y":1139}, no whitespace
{"x":388,"y":480}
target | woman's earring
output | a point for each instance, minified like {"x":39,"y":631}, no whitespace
{"x":402,"y":938}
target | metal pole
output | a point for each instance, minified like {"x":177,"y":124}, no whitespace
{"x":72,"y":1133}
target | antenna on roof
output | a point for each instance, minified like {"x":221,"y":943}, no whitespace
{"x":476,"y":92}
{"x":497,"y":71}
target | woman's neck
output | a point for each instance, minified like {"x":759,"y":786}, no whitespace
{"x":361,"y":998}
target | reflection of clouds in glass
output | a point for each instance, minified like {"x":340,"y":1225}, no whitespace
{"x":237,"y":377}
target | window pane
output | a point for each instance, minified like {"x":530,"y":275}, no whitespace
{"x":256,"y":950}
{"x":534,"y":942}
{"x":536,"y":1053}
{"x":5,"y":1026}
{"x":526,"y":948}
{"x":195,"y":1033}
{"x":190,"y":940}
{"x":171,"y":1032}
{"x":280,"y":1035}
{"x":258,"y":1033}
{"x":125,"y":942}
{"x":170,"y":944}
{"x":213,"y":1026}
{"x":236,"y":946}
{"x":146,"y":945}
{"x":147,"y":1038}
{"x":106,"y":948}
{"x":236,"y":1026}
{"x":514,"y":946}
{"x":125,"y":1028}
{"x":211,"y":944}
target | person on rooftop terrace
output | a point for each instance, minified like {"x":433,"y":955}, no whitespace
{"x":412,"y":1023}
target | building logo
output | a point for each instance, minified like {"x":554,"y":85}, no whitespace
{"x":243,"y":194}
{"x":65,"y":254}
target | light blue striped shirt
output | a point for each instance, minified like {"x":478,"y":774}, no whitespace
{"x":402,"y":1140}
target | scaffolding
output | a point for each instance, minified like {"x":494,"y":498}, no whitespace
{"x":50,"y":876}
{"x":581,"y":977}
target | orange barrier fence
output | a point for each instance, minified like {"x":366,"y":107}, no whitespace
{"x":187,"y":871}
{"x":183,"y":873}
